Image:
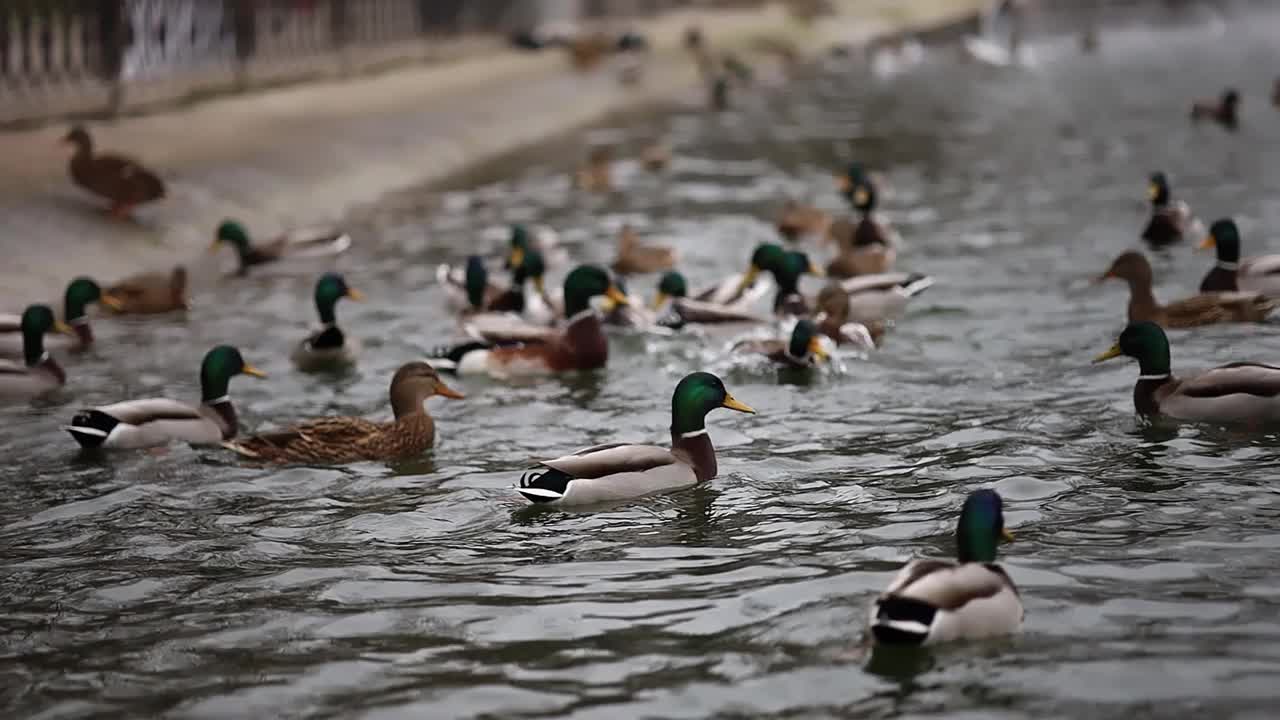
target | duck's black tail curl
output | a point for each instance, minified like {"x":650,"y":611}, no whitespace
{"x":544,"y":484}
{"x":902,"y":621}
{"x":90,"y":428}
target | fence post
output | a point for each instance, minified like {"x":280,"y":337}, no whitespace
{"x":116,"y":33}
{"x":245,"y":31}
{"x":340,"y":33}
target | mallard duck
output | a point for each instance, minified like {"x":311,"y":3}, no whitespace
{"x":327,"y":347}
{"x":121,"y":180}
{"x":1203,"y":309}
{"x":635,"y":257}
{"x":832,"y":320}
{"x":469,"y":289}
{"x":1259,"y":274}
{"x":577,"y":344}
{"x":158,"y":421}
{"x":937,"y":601}
{"x":1224,"y":111}
{"x":1238,"y":392}
{"x":862,"y":248}
{"x":884,"y":296}
{"x":338,"y":440}
{"x":296,"y":245}
{"x":39,"y":373}
{"x":543,"y":239}
{"x":622,"y":471}
{"x":586,"y":51}
{"x":152,"y":292}
{"x":854,"y":176}
{"x":802,"y":350}
{"x":1170,"y":219}
{"x":786,"y":268}
{"x":597,"y":174}
{"x":80,"y":293}
{"x":673,"y":296}
{"x":797,"y":220}
{"x":656,"y":156}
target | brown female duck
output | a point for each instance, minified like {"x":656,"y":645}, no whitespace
{"x":151,"y":293}
{"x":121,"y":180}
{"x":337,"y":440}
{"x":636,"y":257}
{"x":1204,"y":309}
{"x":798,"y":220}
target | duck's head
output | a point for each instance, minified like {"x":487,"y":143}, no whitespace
{"x":80,"y":293}
{"x":863,"y":197}
{"x":696,"y":395}
{"x":1158,"y":189}
{"x":981,"y":527}
{"x":532,"y":267}
{"x":1224,"y":237}
{"x":521,"y":243}
{"x":850,"y":179}
{"x":806,"y":343}
{"x":37,"y":321}
{"x":220,"y":365}
{"x":413,"y":383}
{"x":476,"y":281}
{"x":79,"y":138}
{"x":330,"y":288}
{"x":233,"y":233}
{"x":1145,"y":342}
{"x":585,"y":282}
{"x":786,"y":266}
{"x":1131,"y":266}
{"x":672,"y":285}
{"x":1230,"y":99}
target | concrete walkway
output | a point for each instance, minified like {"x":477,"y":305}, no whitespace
{"x":308,"y":154}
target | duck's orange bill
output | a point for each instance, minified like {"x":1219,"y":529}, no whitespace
{"x":734,"y":404}
{"x":1113,"y":351}
{"x":63,"y":328}
{"x":111,"y":301}
{"x":251,"y":370}
{"x":355,"y":294}
{"x":1208,"y":243}
{"x":446,"y":391}
{"x":1008,"y":536}
{"x":616,"y":295}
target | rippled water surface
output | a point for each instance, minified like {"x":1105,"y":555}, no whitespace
{"x":183,"y":583}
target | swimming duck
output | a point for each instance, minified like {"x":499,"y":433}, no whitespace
{"x":119,"y":179}
{"x":543,"y":239}
{"x":587,"y":50}
{"x":621,"y":471}
{"x":884,"y":296}
{"x":471,"y":291}
{"x":866,"y":247}
{"x":802,"y":350}
{"x":854,"y":176}
{"x":673,"y":295}
{"x":936,"y":601}
{"x":1203,"y":309}
{"x":1259,"y":274}
{"x":338,"y":440}
{"x":39,"y":373}
{"x":1170,"y":219}
{"x":656,"y":156}
{"x":298,"y":245}
{"x":597,"y":174}
{"x":832,"y":320}
{"x":635,"y":257}
{"x":577,"y":344}
{"x":327,"y":347}
{"x":1225,"y":111}
{"x":80,"y":293}
{"x":150,"y":293}
{"x":158,"y":421}
{"x":798,"y":220}
{"x":786,"y":268}
{"x":1238,"y":392}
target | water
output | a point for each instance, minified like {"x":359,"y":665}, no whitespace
{"x":182,"y":583}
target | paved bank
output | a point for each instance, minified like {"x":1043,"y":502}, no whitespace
{"x":309,"y":153}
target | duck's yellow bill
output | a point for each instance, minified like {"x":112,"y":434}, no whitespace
{"x":659,"y":299}
{"x":446,"y":391}
{"x":539,"y":285}
{"x":1113,"y":351}
{"x":251,"y":370}
{"x":820,"y":352}
{"x":860,"y":196}
{"x":734,"y":404}
{"x":1208,"y":243}
{"x":752,"y":273}
{"x":355,"y":294}
{"x":111,"y":301}
{"x":1008,"y":536}
{"x":516,"y":258}
{"x":213,"y":246}
{"x":815,"y":270}
{"x":63,"y":328}
{"x":1153,"y":191}
{"x":617,"y":296}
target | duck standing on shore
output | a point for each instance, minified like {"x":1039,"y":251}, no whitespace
{"x":123,"y":181}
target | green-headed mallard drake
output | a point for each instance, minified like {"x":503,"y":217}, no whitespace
{"x":786,"y":268}
{"x":636,"y":257}
{"x":151,"y":293}
{"x":328,"y":347}
{"x":681,"y":309}
{"x":121,"y":180}
{"x":38,"y":373}
{"x":937,"y":601}
{"x":865,"y":247}
{"x":802,"y":350}
{"x":159,"y":421}
{"x":1170,"y":219}
{"x":832,"y":320}
{"x":596,"y":175}
{"x":579,"y":343}
{"x":1259,"y":274}
{"x":854,"y":176}
{"x":1239,"y":392}
{"x":1203,"y":309}
{"x":336,"y":440}
{"x":81,"y":292}
{"x":798,"y":220}
{"x":621,"y":471}
{"x":469,"y":288}
{"x":1224,"y":111}
{"x":289,"y":246}
{"x":543,"y":239}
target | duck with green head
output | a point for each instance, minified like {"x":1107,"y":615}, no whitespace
{"x":1239,"y":392}
{"x":159,"y":421}
{"x":579,"y":343}
{"x":1258,"y":274}
{"x":294,"y":245}
{"x":677,"y":309}
{"x":38,"y":373}
{"x":81,"y":292}
{"x":623,"y":471}
{"x":328,"y":347}
{"x":786,"y":268}
{"x":803,"y":349}
{"x":937,"y":601}
{"x":1170,"y":219}
{"x":867,"y":246}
